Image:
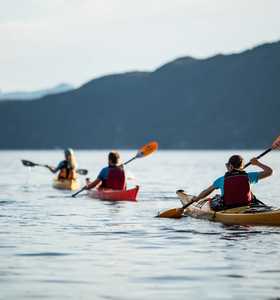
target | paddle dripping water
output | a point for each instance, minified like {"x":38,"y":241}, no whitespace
{"x":53,"y":246}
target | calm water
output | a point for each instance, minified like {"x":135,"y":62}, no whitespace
{"x":53,"y":246}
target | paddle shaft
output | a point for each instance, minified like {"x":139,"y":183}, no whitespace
{"x":82,"y":189}
{"x":130,"y":160}
{"x":261,"y":155}
{"x":40,"y":165}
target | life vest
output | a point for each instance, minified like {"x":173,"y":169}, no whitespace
{"x":236,"y":189}
{"x":115,"y":180}
{"x":67,"y":173}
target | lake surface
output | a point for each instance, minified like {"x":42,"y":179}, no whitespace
{"x":53,"y":246}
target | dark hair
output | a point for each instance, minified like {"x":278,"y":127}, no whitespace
{"x":114,"y":157}
{"x":235,"y":161}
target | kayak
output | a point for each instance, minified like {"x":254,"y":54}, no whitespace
{"x":66,"y":184}
{"x":245,"y":215}
{"x":114,"y":195}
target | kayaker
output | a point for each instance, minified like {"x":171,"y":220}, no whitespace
{"x":235,"y":184}
{"x":67,"y":167}
{"x":111,"y":177}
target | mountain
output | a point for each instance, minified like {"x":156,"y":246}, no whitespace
{"x":225,"y":101}
{"x":21,"y":95}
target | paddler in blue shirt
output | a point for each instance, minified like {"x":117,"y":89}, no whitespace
{"x":111,"y":177}
{"x":235,"y":184}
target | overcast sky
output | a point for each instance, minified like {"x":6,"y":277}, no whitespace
{"x":46,"y":42}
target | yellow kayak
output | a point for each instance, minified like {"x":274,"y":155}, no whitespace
{"x":235,"y":216}
{"x":66,"y":184}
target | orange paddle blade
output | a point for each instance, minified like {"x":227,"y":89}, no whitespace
{"x":147,"y":149}
{"x":173,"y":213}
{"x":276,"y":143}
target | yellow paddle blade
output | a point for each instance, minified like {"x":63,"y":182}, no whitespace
{"x":174,"y":213}
{"x":276,"y":143}
{"x":147,"y":149}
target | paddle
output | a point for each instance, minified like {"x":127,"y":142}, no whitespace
{"x":145,"y":150}
{"x":275,"y":145}
{"x":177,"y":213}
{"x":28,"y":163}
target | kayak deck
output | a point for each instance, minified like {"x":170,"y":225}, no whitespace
{"x":66,"y":184}
{"x":235,"y":216}
{"x":114,"y":195}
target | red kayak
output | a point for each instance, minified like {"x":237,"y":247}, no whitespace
{"x":114,"y":195}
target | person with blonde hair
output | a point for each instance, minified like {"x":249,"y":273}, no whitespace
{"x":67,"y":167}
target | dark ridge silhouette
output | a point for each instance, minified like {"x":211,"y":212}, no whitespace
{"x":225,"y":101}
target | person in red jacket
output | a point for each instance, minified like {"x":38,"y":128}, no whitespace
{"x":235,"y":184}
{"x":111,"y":177}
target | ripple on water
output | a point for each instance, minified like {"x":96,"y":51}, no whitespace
{"x":7,"y":246}
{"x":271,"y":271}
{"x":166,"y":278}
{"x":234,"y":276}
{"x":43,"y":254}
{"x":6,"y":202}
{"x":59,"y":281}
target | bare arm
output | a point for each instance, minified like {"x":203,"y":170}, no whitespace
{"x":205,"y":193}
{"x":93,"y":184}
{"x":58,"y":168}
{"x":267,"y":171}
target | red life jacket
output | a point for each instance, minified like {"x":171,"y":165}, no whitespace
{"x":236,"y":189}
{"x":115,"y":180}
